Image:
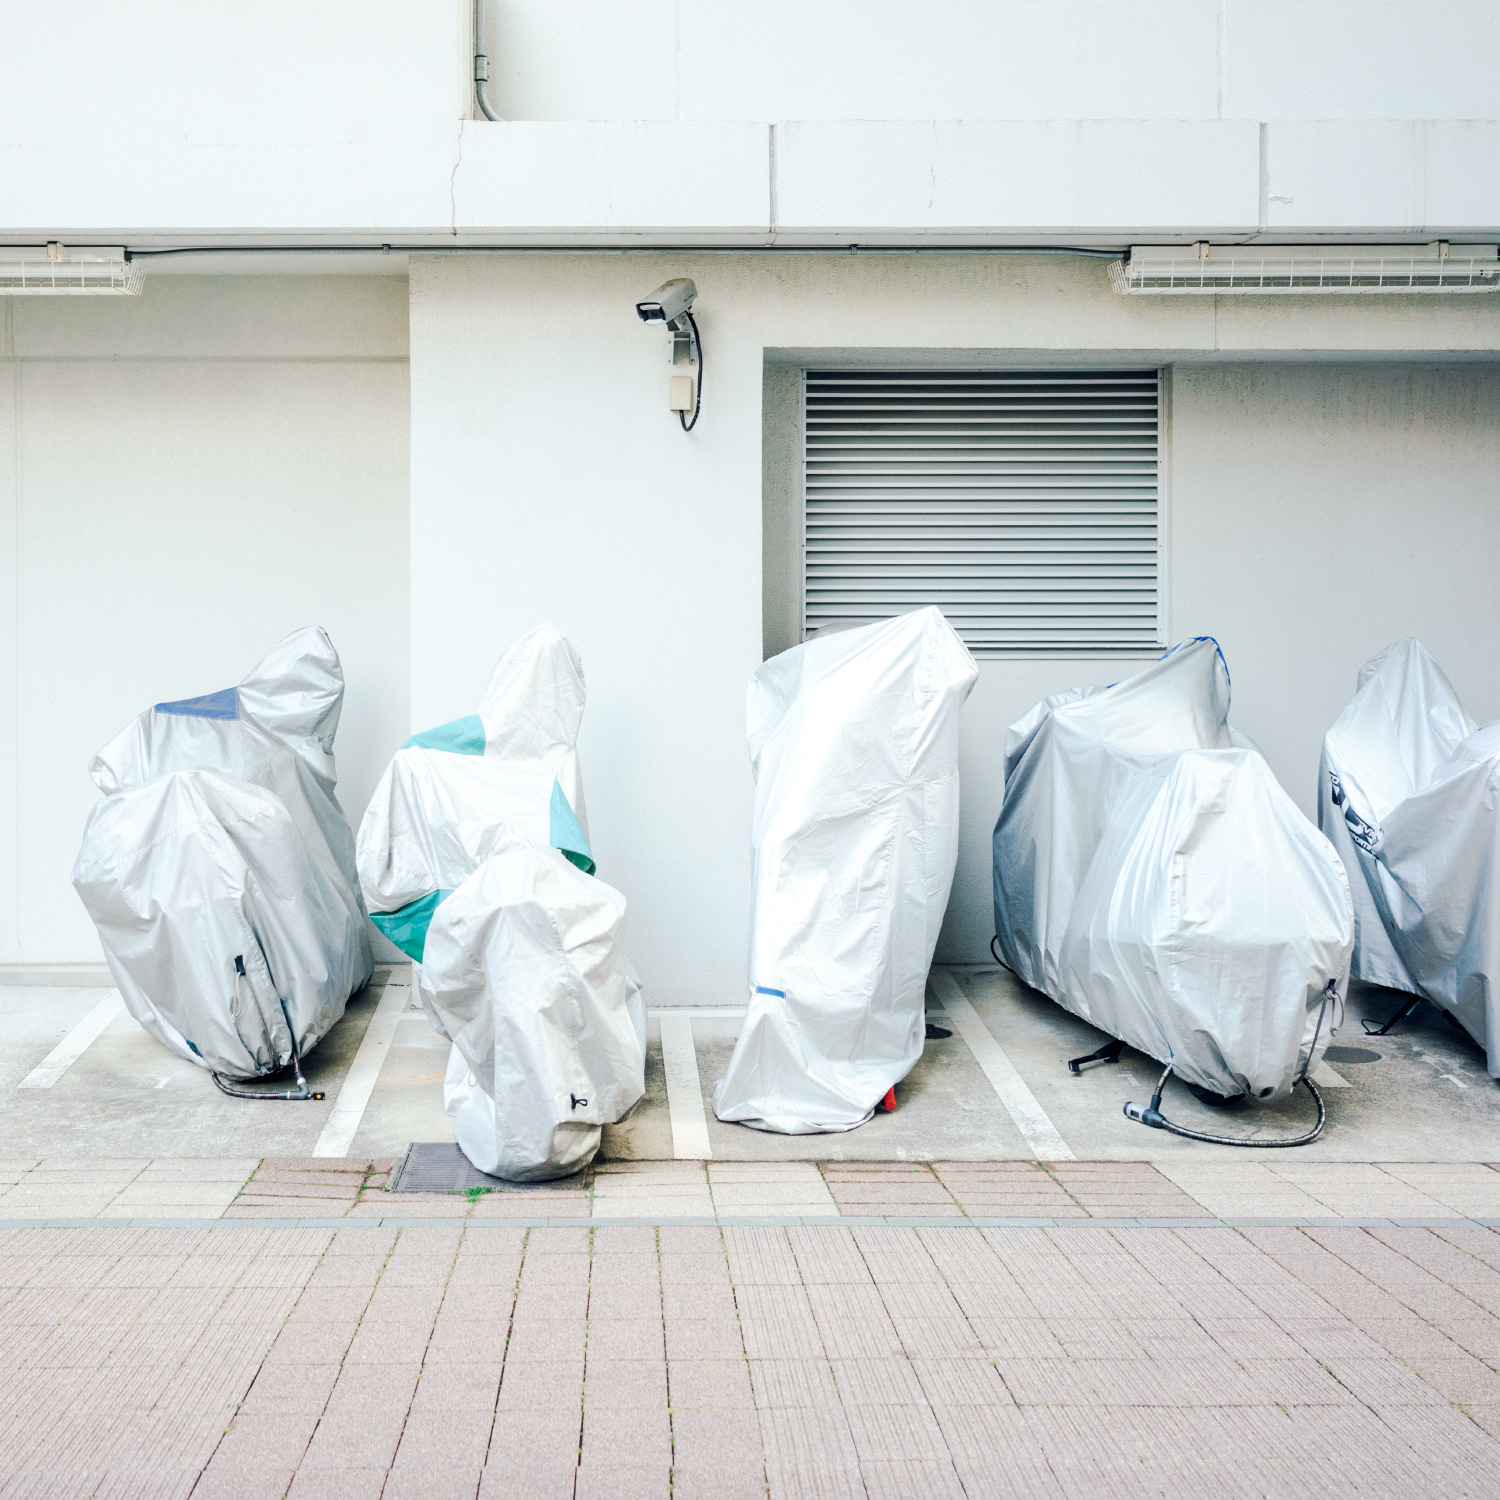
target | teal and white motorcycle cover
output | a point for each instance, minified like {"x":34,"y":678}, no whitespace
{"x":1409,"y":793}
{"x":854,"y":743}
{"x":1153,"y":878}
{"x":219,"y":867}
{"x":475,"y":860}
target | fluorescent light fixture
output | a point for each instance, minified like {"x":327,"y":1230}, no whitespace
{"x":55,"y":270}
{"x":1251,"y":270}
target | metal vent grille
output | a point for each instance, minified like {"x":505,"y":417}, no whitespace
{"x":440,"y":1167}
{"x":1022,"y":503}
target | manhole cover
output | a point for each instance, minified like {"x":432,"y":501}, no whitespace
{"x":1351,"y":1055}
{"x":440,"y":1168}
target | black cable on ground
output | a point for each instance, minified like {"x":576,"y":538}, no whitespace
{"x":698,"y":384}
{"x":301,"y":1091}
{"x":993,"y":954}
{"x":1151,"y":1115}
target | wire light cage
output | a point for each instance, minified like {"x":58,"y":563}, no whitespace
{"x":1241,"y":271}
{"x":29,"y":271}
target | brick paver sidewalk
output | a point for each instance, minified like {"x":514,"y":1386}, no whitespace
{"x":244,"y":1360}
{"x":320,"y":1188}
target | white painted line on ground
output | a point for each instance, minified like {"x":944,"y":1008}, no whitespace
{"x":74,"y":1045}
{"x":679,"y":1060}
{"x":359,"y":1083}
{"x":1326,"y":1078}
{"x":1031,"y":1119}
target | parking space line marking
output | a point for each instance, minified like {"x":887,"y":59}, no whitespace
{"x":1326,"y":1078}
{"x":679,"y":1060}
{"x":1020,"y":1103}
{"x":74,"y":1045}
{"x":359,"y":1083}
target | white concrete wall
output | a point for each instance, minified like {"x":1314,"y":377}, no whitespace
{"x":185,"y":478}
{"x":1317,"y":510}
{"x":993,"y":59}
{"x":795,"y":120}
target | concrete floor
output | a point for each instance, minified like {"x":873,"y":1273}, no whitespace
{"x":1423,"y":1096}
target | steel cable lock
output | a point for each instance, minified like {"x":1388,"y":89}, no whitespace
{"x":301,"y":1090}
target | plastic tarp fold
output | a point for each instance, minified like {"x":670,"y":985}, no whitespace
{"x":1409,"y":793}
{"x":220,"y":839}
{"x":1152,"y":877}
{"x":853,"y":740}
{"x":475,"y":859}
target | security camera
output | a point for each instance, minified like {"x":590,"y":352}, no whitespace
{"x":671,"y":305}
{"x":668,"y":303}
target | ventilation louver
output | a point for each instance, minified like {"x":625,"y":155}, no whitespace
{"x":1022,"y":503}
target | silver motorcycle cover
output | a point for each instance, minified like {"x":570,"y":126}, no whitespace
{"x":450,"y":791}
{"x":458,"y":854}
{"x":1409,"y":793}
{"x":220,"y":845}
{"x":1152,"y":877}
{"x":854,"y":744}
{"x":525,"y":972}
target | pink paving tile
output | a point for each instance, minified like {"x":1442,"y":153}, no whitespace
{"x":235,"y":1480}
{"x":712,"y":1481}
{"x":291,"y":1389}
{"x":625,"y":1384}
{"x":541,"y":1386}
{"x":278,"y":1439}
{"x":707,"y":1338}
{"x":339,"y":1482}
{"x":460,"y":1438}
{"x":529,"y":1477}
{"x":796,"y":1437}
{"x":793,"y":1383}
{"x":625,"y":1481}
{"x":720,"y":1383}
{"x":699,"y":1438}
{"x":445,"y":1481}
{"x":627,"y":1436}
{"x":813,"y":1480}
{"x":713,"y":1299}
{"x":933,"y":1480}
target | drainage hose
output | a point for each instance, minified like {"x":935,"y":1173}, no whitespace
{"x":1151,"y":1115}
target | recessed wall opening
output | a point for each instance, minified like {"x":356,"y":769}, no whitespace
{"x":1024,"y":503}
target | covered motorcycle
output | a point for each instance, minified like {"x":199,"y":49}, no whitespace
{"x":854,"y":744}
{"x":1152,"y":877}
{"x":1409,"y":793}
{"x":219,"y":868}
{"x":475,"y":859}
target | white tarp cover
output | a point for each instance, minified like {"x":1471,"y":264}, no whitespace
{"x":220,"y":838}
{"x":475,"y":858}
{"x":1153,"y":878}
{"x":854,"y":744}
{"x":1409,"y":792}
{"x":449,"y":791}
{"x":525,"y":972}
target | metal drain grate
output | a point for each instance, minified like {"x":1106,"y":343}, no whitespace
{"x":440,"y":1167}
